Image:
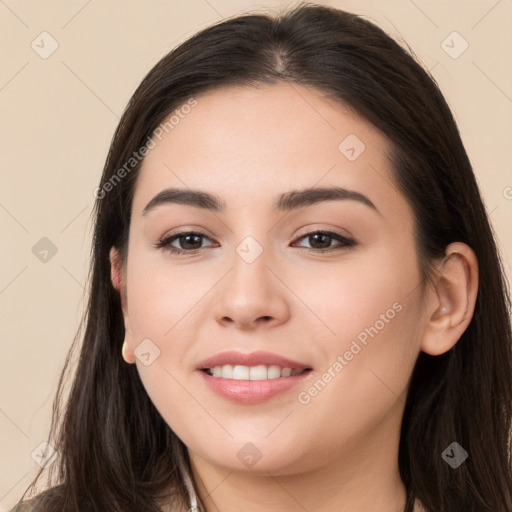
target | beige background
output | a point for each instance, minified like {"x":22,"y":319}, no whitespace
{"x":58,"y":116}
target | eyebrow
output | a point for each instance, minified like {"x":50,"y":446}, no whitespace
{"x":288,"y":201}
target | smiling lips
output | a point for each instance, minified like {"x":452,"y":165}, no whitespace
{"x":251,"y":378}
{"x":258,"y":365}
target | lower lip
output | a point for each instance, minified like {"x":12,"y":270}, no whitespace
{"x":252,"y":391}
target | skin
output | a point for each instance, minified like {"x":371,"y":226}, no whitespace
{"x":338,"y":452}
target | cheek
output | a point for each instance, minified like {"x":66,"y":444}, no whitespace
{"x":364,"y":309}
{"x":355,"y":298}
{"x":374,"y":313}
{"x":166,"y":304}
{"x":363,"y":294}
{"x":159,"y":306}
{"x":162,"y":295}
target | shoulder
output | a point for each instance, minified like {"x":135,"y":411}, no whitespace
{"x":34,"y":505}
{"x":418,"y":507}
{"x":26,"y":506}
{"x":48,"y":500}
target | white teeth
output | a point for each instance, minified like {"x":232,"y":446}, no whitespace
{"x":274,"y":372}
{"x":257,"y":372}
{"x":286,"y":372}
{"x":260,"y":372}
{"x":226,"y":371}
{"x":240,"y":372}
{"x":217,"y":371}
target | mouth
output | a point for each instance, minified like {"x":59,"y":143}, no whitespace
{"x":252,"y":378}
{"x":259,"y":372}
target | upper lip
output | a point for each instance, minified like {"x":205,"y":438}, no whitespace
{"x":250,"y":359}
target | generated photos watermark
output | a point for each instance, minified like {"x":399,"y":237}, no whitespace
{"x":357,"y":345}
{"x":137,"y":156}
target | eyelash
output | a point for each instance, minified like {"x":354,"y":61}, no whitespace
{"x":165,"y":242}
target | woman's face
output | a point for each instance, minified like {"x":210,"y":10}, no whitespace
{"x":350,"y":318}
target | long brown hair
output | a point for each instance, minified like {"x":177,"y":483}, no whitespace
{"x":116,"y":451}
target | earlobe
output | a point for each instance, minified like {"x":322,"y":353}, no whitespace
{"x":452,"y":301}
{"x":127,"y":351}
{"x":116,"y":276}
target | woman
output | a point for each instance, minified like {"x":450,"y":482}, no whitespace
{"x":296,"y":299}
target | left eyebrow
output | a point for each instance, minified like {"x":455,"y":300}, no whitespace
{"x":288,"y":201}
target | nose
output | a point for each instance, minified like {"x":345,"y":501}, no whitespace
{"x":252,"y":294}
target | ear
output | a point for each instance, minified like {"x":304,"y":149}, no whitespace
{"x":118,"y":278}
{"x":452,"y":301}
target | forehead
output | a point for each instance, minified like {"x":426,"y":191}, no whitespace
{"x":252,"y":143}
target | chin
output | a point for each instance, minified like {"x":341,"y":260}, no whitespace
{"x":258,"y":458}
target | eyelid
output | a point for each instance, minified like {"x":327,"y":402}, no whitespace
{"x":347,"y":241}
{"x":311,"y":229}
{"x":344,"y":241}
{"x":166,"y":240}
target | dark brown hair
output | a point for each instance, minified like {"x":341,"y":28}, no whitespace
{"x":116,"y":451}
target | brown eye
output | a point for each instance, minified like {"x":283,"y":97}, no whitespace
{"x":189,"y":242}
{"x":320,"y":241}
